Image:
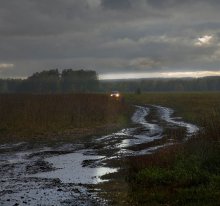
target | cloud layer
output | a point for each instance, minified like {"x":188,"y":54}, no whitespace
{"x":110,"y":36}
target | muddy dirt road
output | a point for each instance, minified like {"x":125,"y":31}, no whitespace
{"x":64,"y":174}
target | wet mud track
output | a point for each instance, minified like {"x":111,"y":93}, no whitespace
{"x":65,"y":173}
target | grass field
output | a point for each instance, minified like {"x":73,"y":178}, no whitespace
{"x":183,"y":174}
{"x":23,"y":117}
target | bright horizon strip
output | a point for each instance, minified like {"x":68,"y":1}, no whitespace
{"x":196,"y":74}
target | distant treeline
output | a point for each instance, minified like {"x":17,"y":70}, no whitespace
{"x":53,"y":81}
{"x":163,"y":85}
{"x":69,"y":80}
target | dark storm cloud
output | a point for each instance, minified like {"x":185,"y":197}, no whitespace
{"x":116,"y":4}
{"x":159,"y":4}
{"x":177,"y":3}
{"x":37,"y":17}
{"x":108,"y":35}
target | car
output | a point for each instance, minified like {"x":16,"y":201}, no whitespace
{"x":115,"y":94}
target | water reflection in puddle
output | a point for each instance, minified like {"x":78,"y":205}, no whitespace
{"x":69,"y":169}
{"x":144,"y":132}
{"x":166,"y":114}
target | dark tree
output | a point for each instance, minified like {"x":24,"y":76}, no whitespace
{"x":79,"y":81}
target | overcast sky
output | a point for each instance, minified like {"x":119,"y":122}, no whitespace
{"x":113,"y":37}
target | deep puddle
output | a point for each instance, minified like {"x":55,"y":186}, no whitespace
{"x":69,"y":169}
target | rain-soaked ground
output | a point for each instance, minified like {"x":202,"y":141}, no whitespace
{"x":65,"y":173}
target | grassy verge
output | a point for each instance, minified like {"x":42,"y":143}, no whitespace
{"x":186,"y":174}
{"x":34,"y":117}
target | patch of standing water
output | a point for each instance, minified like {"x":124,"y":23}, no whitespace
{"x":140,"y":114}
{"x":139,"y":118}
{"x":166,"y":113}
{"x":144,"y":133}
{"x":69,"y":169}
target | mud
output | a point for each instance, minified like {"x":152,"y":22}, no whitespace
{"x":65,"y":174}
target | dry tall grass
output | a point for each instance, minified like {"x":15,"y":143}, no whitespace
{"x":29,"y":114}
